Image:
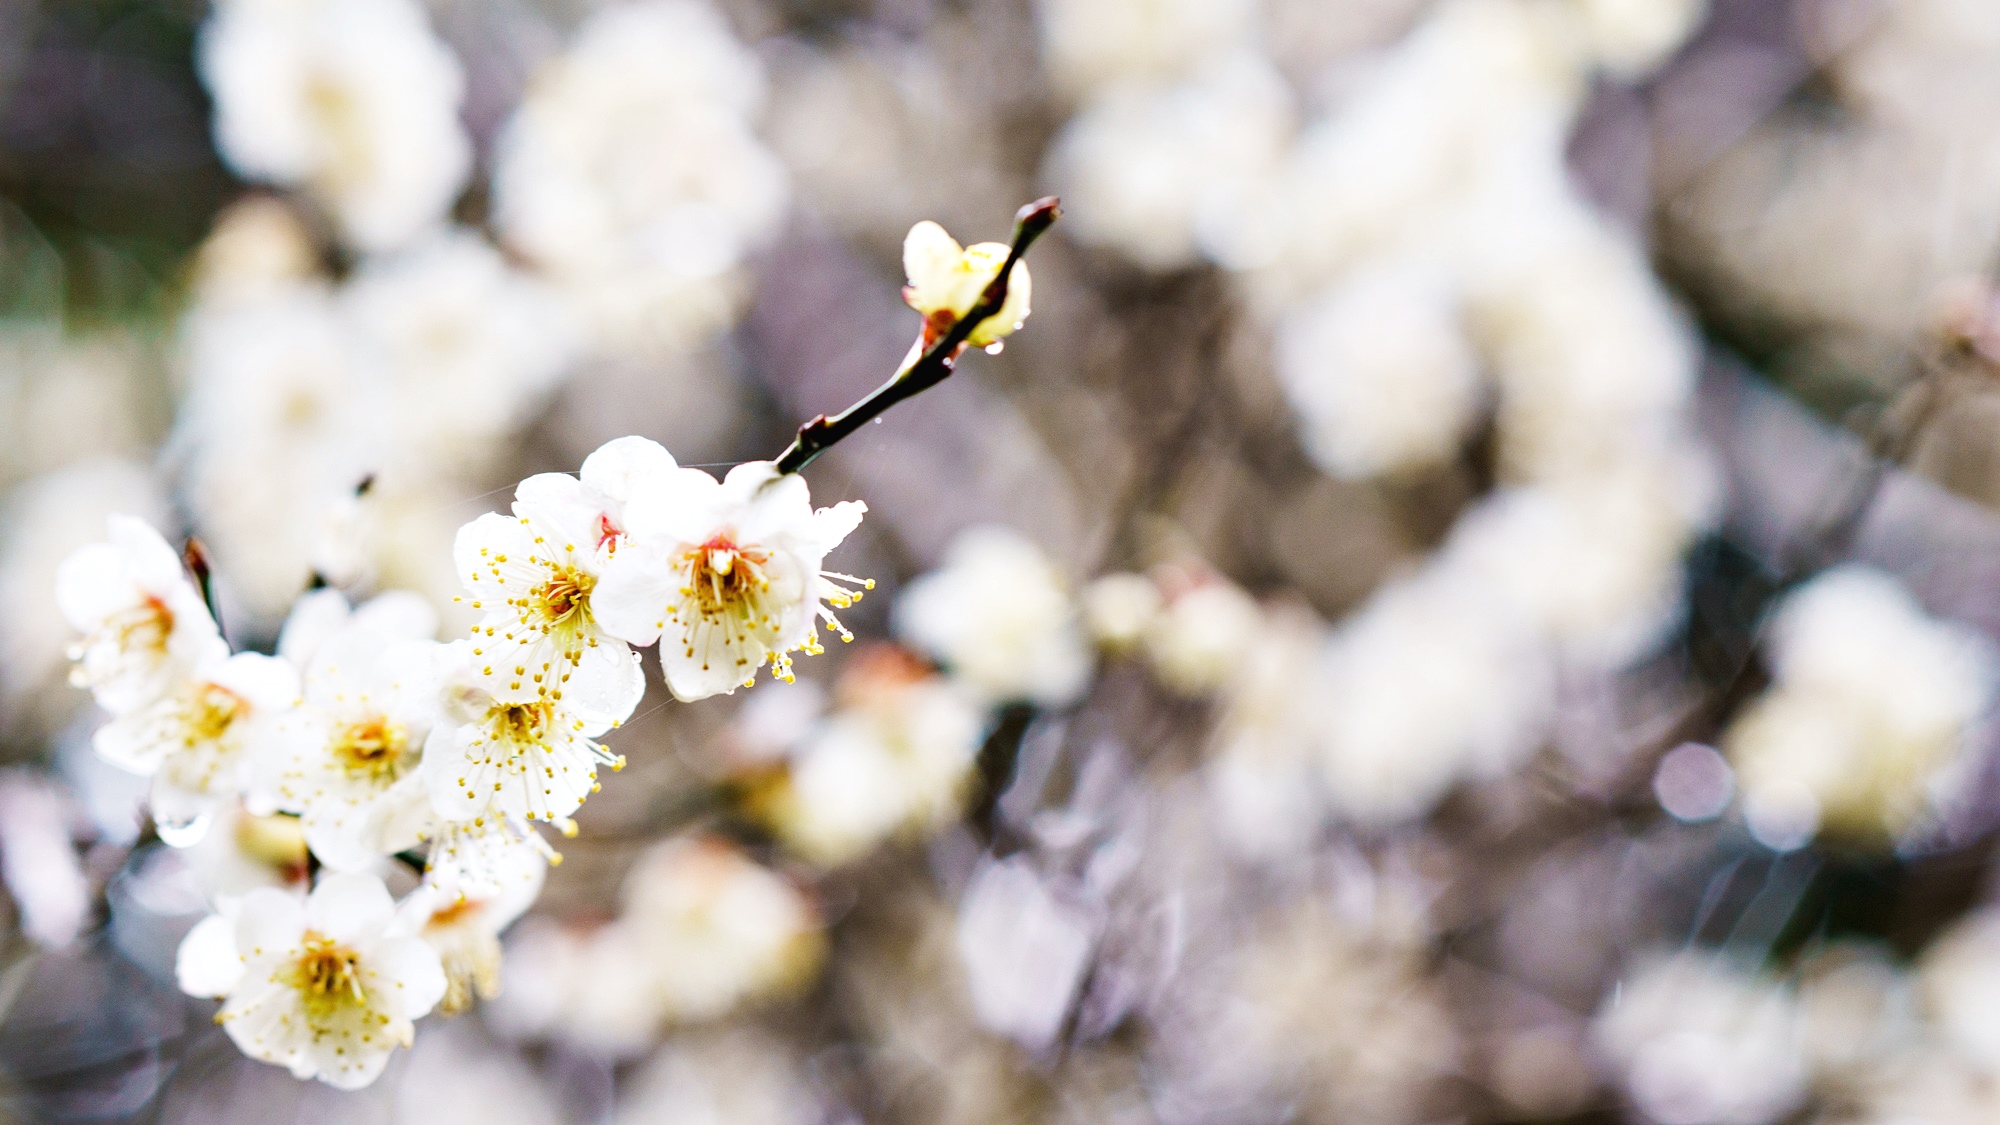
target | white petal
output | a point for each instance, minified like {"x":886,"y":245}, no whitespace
{"x":830,"y":527}
{"x":606,"y":685}
{"x":619,"y":464}
{"x":151,"y":562}
{"x":207,"y":963}
{"x":264,"y":681}
{"x":348,"y":906}
{"x":412,"y":965}
{"x":563,"y":511}
{"x":684,"y":506}
{"x":929,"y":257}
{"x":269,"y":922}
{"x":444,"y":771}
{"x":91,"y":585}
{"x":631,"y":598}
{"x":314,"y":617}
{"x":402,"y":614}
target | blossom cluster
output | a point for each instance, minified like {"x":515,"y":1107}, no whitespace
{"x":332,"y":424}
{"x":364,"y":745}
{"x":383,"y":741}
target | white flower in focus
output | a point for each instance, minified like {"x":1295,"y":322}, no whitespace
{"x":465,"y":927}
{"x":490,"y":761}
{"x":201,"y":741}
{"x":486,"y":857}
{"x":470,"y":344}
{"x":327,"y":987}
{"x":245,"y":851}
{"x":946,"y":280}
{"x":1000,"y":619}
{"x":719,"y":928}
{"x":897,"y":755}
{"x":535,"y":577}
{"x":631,"y":173}
{"x":726,"y":574}
{"x":1863,"y":729}
{"x":1698,"y":1042}
{"x":43,"y":522}
{"x":1091,"y":42}
{"x":1380,"y":373}
{"x":145,"y":625}
{"x":346,"y":758}
{"x":356,"y":100}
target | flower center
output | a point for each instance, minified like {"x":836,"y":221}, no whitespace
{"x":374,"y":747}
{"x":142,"y":628}
{"x":563,"y":596}
{"x":327,"y":975}
{"x":522,"y":723}
{"x":210,"y":712}
{"x":725,"y":579}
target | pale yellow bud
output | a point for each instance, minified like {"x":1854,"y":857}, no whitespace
{"x":947,"y":279}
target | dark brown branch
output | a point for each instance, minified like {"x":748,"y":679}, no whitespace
{"x":936,"y":364}
{"x":194,"y":556}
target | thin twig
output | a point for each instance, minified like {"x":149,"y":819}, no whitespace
{"x":195,"y":557}
{"x":936,"y":365}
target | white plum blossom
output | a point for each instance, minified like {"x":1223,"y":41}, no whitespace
{"x":1090,"y":43}
{"x":726,"y":574}
{"x":1863,"y":729}
{"x":999,"y":617}
{"x":489,"y":760}
{"x":1161,"y":171}
{"x":327,"y":987}
{"x":145,"y":625}
{"x":1205,"y":632}
{"x":1380,"y":372}
{"x":946,"y":280}
{"x":199,"y":742}
{"x":632,"y":176}
{"x":469,"y":344}
{"x":534,"y":577}
{"x":898,"y":755}
{"x":283,"y":418}
{"x":464,"y":925}
{"x":346,"y":758}
{"x":1696,"y":1039}
{"x":722,"y":929}
{"x":356,"y":100}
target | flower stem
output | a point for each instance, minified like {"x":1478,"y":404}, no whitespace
{"x":937,"y":364}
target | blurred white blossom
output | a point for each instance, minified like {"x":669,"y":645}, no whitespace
{"x":355,"y":100}
{"x":1000,"y":618}
{"x":1862,"y":729}
{"x":1697,"y":1041}
{"x":631,"y":175}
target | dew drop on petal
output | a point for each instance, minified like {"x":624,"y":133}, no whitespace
{"x":182,"y":833}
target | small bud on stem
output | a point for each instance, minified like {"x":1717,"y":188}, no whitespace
{"x":937,"y":363}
